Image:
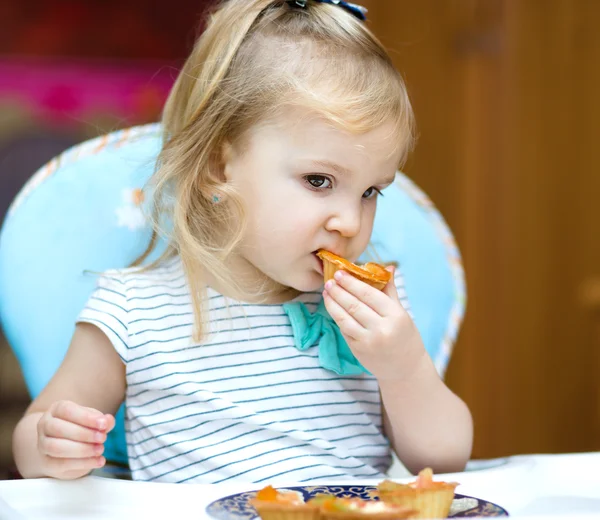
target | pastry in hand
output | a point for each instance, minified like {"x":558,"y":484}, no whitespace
{"x":371,"y":273}
{"x":335,"y":508}
{"x":432,"y":499}
{"x":272,"y":504}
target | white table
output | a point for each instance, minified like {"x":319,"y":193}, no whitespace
{"x":531,"y":486}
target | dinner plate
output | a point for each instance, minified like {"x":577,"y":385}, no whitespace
{"x":237,"y":507}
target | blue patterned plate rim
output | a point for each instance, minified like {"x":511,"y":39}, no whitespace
{"x":237,"y":506}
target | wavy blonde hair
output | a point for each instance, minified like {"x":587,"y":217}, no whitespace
{"x":254,"y":59}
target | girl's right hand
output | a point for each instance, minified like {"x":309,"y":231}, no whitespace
{"x":71,"y":439}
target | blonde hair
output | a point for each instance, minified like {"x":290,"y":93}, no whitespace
{"x":255,"y":58}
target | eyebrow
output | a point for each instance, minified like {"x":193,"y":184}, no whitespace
{"x":332,"y":166}
{"x":344,"y":171}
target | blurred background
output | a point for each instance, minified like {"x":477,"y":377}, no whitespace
{"x":506,"y":95}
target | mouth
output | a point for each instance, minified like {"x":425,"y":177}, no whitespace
{"x":319,"y":263}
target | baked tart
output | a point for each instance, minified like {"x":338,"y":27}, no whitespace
{"x":335,"y":508}
{"x":371,"y":273}
{"x":272,"y":504}
{"x":430,"y":498}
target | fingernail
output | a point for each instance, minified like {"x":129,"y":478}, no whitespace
{"x":100,"y":462}
{"x":98,"y":437}
{"x":101,"y":423}
{"x":98,"y":449}
{"x":328,"y":285}
{"x":338,"y":275}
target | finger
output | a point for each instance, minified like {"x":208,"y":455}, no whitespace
{"x":390,"y":289}
{"x":81,"y":415}
{"x":110,"y":422}
{"x":360,"y":311}
{"x":62,"y":429}
{"x":67,"y":449}
{"x":348,"y":326}
{"x":373,"y":298}
{"x":74,"y":467}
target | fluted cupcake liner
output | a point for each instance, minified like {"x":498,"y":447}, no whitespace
{"x":278,"y":511}
{"x":430,"y":503}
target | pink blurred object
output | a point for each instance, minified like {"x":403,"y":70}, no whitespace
{"x":74,"y":92}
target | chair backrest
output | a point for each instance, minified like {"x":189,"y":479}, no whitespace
{"x":82,"y":213}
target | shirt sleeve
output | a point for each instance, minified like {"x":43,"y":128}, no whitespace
{"x":107,"y":309}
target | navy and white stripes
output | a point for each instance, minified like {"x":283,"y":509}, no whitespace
{"x":245,"y":404}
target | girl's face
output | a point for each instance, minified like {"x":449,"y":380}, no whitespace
{"x":307,"y":185}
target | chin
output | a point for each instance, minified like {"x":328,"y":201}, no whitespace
{"x":308,"y":283}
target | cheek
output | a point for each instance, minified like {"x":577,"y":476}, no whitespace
{"x":274,"y":225}
{"x":369,"y":220}
{"x":285,"y":212}
{"x":366,"y":228}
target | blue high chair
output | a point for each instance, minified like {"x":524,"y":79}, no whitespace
{"x":82,"y":213}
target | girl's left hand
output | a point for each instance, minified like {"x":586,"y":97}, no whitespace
{"x":378,"y":330}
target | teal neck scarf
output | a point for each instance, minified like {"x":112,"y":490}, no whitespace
{"x":308,"y":329}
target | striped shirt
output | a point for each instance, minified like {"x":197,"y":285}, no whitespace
{"x":244,"y":404}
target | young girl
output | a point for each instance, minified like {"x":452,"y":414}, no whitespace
{"x":284,"y":126}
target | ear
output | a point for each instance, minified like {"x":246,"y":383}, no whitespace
{"x":228,"y":157}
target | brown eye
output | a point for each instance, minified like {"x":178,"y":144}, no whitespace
{"x":372,"y":191}
{"x":318,"y":181}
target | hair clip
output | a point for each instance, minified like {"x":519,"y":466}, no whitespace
{"x":357,"y":10}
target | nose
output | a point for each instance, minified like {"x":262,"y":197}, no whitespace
{"x":345,"y":220}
